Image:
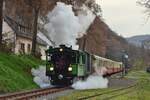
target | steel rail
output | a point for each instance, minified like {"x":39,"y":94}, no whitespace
{"x":31,"y":94}
{"x":107,"y":92}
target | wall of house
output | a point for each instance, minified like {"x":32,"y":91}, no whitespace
{"x":6,"y":28}
{"x":22,"y":46}
{"x":22,"y":41}
{"x":15,"y":42}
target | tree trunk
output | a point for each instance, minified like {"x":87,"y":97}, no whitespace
{"x":1,"y":21}
{"x":35,"y":27}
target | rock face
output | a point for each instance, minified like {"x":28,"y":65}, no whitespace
{"x":140,"y":41}
{"x":102,"y":41}
{"x":96,"y":38}
{"x":116,"y":45}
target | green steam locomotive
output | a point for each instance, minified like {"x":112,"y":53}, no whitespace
{"x":65,"y":65}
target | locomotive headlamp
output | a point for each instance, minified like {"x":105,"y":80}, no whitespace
{"x":69,"y":68}
{"x":51,"y":68}
{"x":60,"y":49}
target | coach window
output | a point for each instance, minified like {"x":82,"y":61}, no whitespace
{"x":74,"y":58}
{"x":83,"y":59}
{"x":78,"y":58}
{"x":88,"y":62}
{"x":100,"y":63}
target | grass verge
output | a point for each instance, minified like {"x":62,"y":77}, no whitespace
{"x":15,"y":72}
{"x":140,"y":92}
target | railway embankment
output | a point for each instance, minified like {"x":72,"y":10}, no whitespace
{"x":15,"y":72}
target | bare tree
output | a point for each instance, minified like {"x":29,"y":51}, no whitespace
{"x":36,"y":6}
{"x":146,"y":4}
{"x":90,"y":3}
{"x":96,"y":8}
{"x":1,"y":20}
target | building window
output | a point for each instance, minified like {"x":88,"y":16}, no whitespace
{"x":22,"y":47}
{"x":29,"y":48}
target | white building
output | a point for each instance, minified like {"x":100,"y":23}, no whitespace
{"x":19,"y":38}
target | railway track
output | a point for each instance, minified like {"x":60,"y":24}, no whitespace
{"x":114,"y":93}
{"x":27,"y":95}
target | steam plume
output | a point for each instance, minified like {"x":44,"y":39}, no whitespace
{"x":40,"y":78}
{"x":64,"y":27}
{"x":92,"y":82}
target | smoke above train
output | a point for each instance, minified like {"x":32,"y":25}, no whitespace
{"x":65,"y":27}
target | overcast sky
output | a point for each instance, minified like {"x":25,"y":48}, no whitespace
{"x":125,"y":17}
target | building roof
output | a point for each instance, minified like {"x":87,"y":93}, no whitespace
{"x":22,"y":31}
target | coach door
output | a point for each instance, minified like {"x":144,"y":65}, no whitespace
{"x":88,"y":63}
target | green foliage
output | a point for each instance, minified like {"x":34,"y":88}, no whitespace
{"x":15,"y":72}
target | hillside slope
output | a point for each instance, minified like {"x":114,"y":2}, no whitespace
{"x":138,"y":40}
{"x":115,"y":46}
{"x":102,"y":41}
{"x":15,"y":72}
{"x":95,"y":39}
